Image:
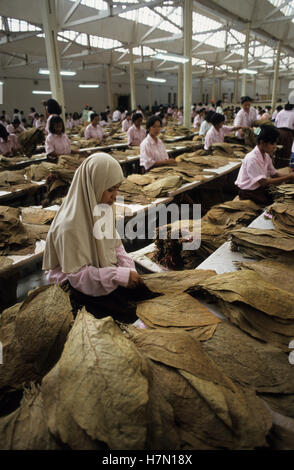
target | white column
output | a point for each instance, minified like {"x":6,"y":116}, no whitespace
{"x":276,"y":76}
{"x":213,"y":84}
{"x":180,"y":85}
{"x":187,"y":26}
{"x":109,"y":87}
{"x":245,"y":62}
{"x":236,"y":90}
{"x":132,"y":81}
{"x":53,"y":60}
{"x":269,"y":87}
{"x":220,"y":89}
{"x":201,"y":89}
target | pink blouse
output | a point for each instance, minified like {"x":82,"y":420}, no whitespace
{"x":152,"y":151}
{"x":255,"y":167}
{"x":126,"y":125}
{"x":10,"y":145}
{"x":92,"y":132}
{"x":245,"y":119}
{"x":214,"y":137}
{"x":135,"y":135}
{"x":97,"y":281}
{"x":12,"y":130}
{"x":59,"y":144}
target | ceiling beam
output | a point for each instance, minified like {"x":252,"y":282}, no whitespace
{"x":71,"y":11}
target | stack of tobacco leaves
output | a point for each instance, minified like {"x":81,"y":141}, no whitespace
{"x":171,"y":395}
{"x":209,"y":410}
{"x":254,"y":364}
{"x":258,"y":307}
{"x":39,"y":172}
{"x":215,"y":228}
{"x":13,"y":180}
{"x":142,"y":193}
{"x":37,"y":216}
{"x":33,"y":334}
{"x":14,"y":238}
{"x":258,"y":243}
{"x":279,"y":271}
{"x":283,"y":217}
{"x":207,"y":161}
{"x":28,"y":140}
{"x":171,"y":131}
{"x":283,"y":192}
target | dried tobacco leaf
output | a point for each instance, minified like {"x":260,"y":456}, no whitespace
{"x":162,"y":186}
{"x":254,"y":364}
{"x":84,"y":386}
{"x":283,"y":217}
{"x":210,"y":410}
{"x":26,"y":428}
{"x":172,"y":282}
{"x":175,"y":310}
{"x":33,"y":334}
{"x":258,"y":243}
{"x":256,"y":306}
{"x":36,"y":216}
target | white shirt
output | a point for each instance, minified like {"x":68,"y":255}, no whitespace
{"x":152,"y":151}
{"x":116,"y":116}
{"x":245,"y":119}
{"x":254,"y":167}
{"x":285,"y":119}
{"x":204,"y":128}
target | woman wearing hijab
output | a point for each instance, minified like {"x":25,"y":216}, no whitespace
{"x":97,"y":268}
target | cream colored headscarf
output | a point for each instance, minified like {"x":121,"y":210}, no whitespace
{"x":70,"y":242}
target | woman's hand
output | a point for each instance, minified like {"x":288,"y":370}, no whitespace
{"x":135,"y":280}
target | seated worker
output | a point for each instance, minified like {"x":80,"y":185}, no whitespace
{"x":206,"y":124}
{"x":257,"y":172}
{"x":94,"y":130}
{"x":15,"y":127}
{"x":245,"y":117}
{"x":97,"y":268}
{"x":199,"y":118}
{"x":136,"y":133}
{"x":57,"y":143}
{"x":127,"y":122}
{"x":152,"y":151}
{"x":217,"y":132}
{"x":8,"y":143}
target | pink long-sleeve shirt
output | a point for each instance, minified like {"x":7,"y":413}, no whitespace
{"x":10,"y":145}
{"x":255,"y":167}
{"x":92,"y":132}
{"x":59,"y":144}
{"x":152,"y":151}
{"x":97,"y":281}
{"x":126,"y":125}
{"x":214,"y":137}
{"x":135,"y":135}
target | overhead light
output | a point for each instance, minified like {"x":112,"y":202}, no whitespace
{"x":291,"y":84}
{"x":88,"y":85}
{"x":68,"y":73}
{"x":1,"y":83}
{"x":171,"y":57}
{"x":153,"y":79}
{"x":41,"y":92}
{"x":248,"y":71}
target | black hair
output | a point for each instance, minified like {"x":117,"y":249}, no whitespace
{"x":289,"y":107}
{"x":16,"y":121}
{"x":268,"y":107}
{"x":33,"y":110}
{"x":209,"y":115}
{"x":219,"y":102}
{"x":245,"y":98}
{"x":75,"y":116}
{"x":268,"y":134}
{"x":16,"y":111}
{"x":136,"y":116}
{"x":53,"y":107}
{"x":55,"y":120}
{"x":3,"y":132}
{"x":217,"y":118}
{"x":93,"y":116}
{"x":103,"y":116}
{"x":279,"y":108}
{"x":151,"y":121}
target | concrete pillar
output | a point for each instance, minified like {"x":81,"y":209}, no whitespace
{"x":276,"y":75}
{"x":245,"y":62}
{"x":187,"y":26}
{"x":213,"y":84}
{"x":180,"y":85}
{"x":132,"y":81}
{"x":53,"y":60}
{"x":109,"y":87}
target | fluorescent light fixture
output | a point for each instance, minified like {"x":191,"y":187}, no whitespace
{"x":88,"y":85}
{"x":41,"y":92}
{"x":66,"y":73}
{"x":171,"y":57}
{"x":248,"y":71}
{"x":154,"y":79}
{"x":1,"y":83}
